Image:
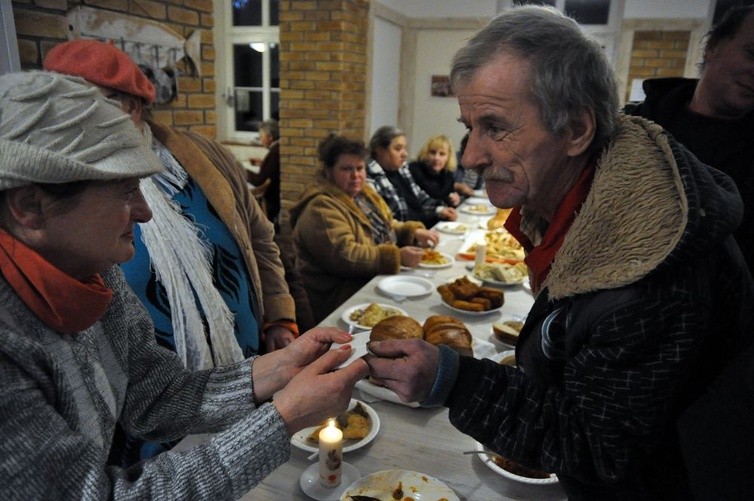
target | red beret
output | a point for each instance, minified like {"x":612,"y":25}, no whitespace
{"x":100,"y":63}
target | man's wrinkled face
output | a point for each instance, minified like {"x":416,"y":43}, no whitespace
{"x":520,"y":160}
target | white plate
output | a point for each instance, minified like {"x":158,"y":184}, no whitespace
{"x":453,"y":228}
{"x":449,"y":262}
{"x":346,"y":315}
{"x":497,"y":357}
{"x":486,"y":459}
{"x":405,"y":286}
{"x":472,"y":209}
{"x":299,"y":438}
{"x":498,"y":283}
{"x":472,"y":313}
{"x":477,"y":200}
{"x":309,"y":482}
{"x":415,"y":485}
{"x":382,"y":393}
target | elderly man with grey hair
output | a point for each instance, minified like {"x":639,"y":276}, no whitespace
{"x":633,"y":265}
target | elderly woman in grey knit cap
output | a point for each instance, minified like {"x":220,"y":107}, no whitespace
{"x":77,"y":349}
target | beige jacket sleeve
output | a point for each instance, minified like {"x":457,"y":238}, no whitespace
{"x":223,"y":182}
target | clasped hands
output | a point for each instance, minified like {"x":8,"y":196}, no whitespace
{"x":308,"y":389}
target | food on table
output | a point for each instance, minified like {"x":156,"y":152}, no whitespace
{"x":508,"y":360}
{"x":433,"y":257}
{"x":502,"y":272}
{"x":498,"y":220}
{"x":372,"y":314}
{"x":466,"y":295}
{"x":396,"y":328}
{"x":508,"y":331}
{"x":447,"y":330}
{"x":501,"y":246}
{"x":458,"y":228}
{"x":355,"y":425}
{"x":437,"y":329}
{"x":478,"y":208}
{"x":516,"y":468}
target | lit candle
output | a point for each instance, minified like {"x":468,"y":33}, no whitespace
{"x":481,"y":254}
{"x":330,"y":455}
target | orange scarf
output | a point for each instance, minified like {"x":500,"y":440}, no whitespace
{"x":539,"y":259}
{"x":63,"y":303}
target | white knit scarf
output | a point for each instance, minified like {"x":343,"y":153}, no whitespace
{"x":182,"y":263}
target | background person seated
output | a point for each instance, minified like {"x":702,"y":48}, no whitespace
{"x":345,"y":233}
{"x":388,"y":175}
{"x":433,"y":170}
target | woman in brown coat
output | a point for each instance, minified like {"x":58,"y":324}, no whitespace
{"x":344,"y":231}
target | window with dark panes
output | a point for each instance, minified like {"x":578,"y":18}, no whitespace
{"x":252,"y":79}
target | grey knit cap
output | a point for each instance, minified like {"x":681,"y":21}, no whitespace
{"x":57,"y":129}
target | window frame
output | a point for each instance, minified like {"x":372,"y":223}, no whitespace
{"x":226,"y":36}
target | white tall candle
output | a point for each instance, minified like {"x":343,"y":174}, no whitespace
{"x":330,"y":455}
{"x":481,"y":254}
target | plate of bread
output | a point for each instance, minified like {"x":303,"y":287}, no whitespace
{"x":359,"y":425}
{"x":367,"y":315}
{"x":469,"y":298}
{"x":436,"y":329}
{"x":508,"y":329}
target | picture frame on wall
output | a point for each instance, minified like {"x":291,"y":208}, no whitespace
{"x":441,"y":86}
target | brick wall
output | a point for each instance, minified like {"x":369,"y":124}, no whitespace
{"x":41,"y":24}
{"x":658,"y":54}
{"x":323,"y":48}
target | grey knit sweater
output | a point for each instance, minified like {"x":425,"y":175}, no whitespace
{"x":60,"y":397}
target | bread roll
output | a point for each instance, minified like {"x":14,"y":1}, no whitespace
{"x":443,"y":329}
{"x":507,"y":332}
{"x":396,"y":328}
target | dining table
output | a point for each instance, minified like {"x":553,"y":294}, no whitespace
{"x":410,"y":437}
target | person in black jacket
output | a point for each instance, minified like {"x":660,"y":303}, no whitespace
{"x":433,"y":170}
{"x":642,"y":295}
{"x":714,"y":115}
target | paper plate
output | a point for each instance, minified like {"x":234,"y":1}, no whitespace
{"x":346,"y":315}
{"x":479,"y":209}
{"x":452,"y":228}
{"x":414,"y":485}
{"x":299,"y":438}
{"x":405,"y":286}
{"x":472,"y":313}
{"x":449,"y":260}
{"x":486,"y":458}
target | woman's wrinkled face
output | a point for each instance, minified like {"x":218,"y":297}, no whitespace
{"x":393,"y":157}
{"x":349,"y":173}
{"x":437,"y":156}
{"x":96,"y":231}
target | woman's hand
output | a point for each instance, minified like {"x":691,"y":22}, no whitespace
{"x":411,"y":256}
{"x":316,"y":393}
{"x":448,"y":214}
{"x":274,"y":370}
{"x":426,"y":238}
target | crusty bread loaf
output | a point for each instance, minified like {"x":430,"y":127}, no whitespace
{"x":443,"y":329}
{"x":396,"y":328}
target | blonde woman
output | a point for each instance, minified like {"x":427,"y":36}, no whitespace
{"x":433,"y":170}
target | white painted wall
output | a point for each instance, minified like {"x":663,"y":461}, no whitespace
{"x":435,"y":115}
{"x":385,"y":75}
{"x":435,"y":49}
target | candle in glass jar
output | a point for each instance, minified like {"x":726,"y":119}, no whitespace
{"x":330,"y":455}
{"x":481,"y":254}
